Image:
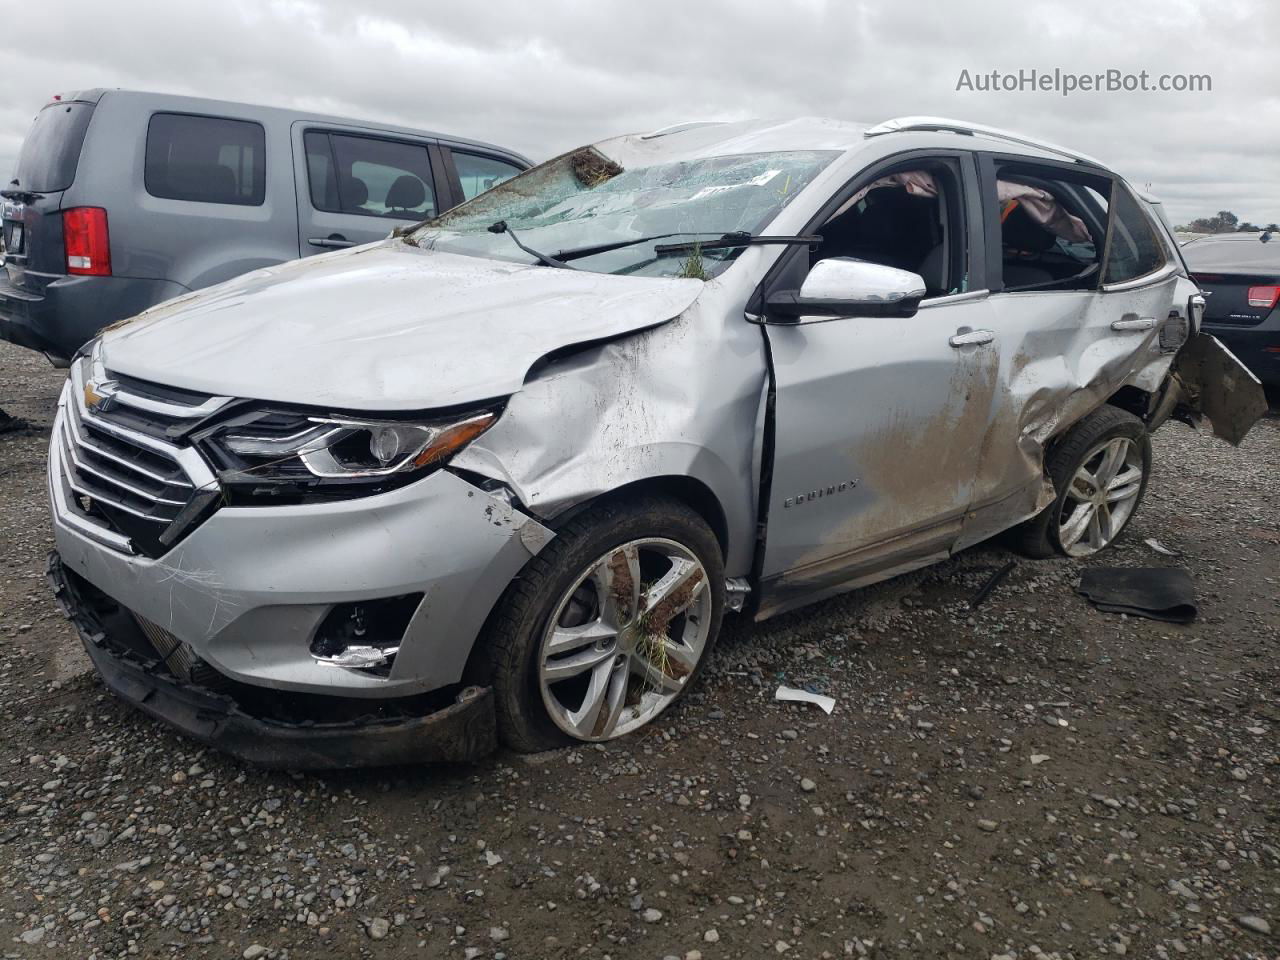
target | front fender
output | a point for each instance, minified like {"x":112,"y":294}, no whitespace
{"x":673,"y":401}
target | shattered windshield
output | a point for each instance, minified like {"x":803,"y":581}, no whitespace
{"x":584,"y":199}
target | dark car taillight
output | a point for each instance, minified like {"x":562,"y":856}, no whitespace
{"x":1265,"y":296}
{"x":84,"y":233}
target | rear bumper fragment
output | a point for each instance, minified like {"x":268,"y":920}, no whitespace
{"x":1213,"y":385}
{"x":1258,"y":349}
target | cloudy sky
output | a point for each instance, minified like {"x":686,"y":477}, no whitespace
{"x":545,"y":75}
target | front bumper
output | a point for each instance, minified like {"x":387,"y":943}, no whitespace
{"x":462,"y":731}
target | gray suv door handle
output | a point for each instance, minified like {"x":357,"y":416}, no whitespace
{"x":333,"y":241}
{"x":966,"y":338}
{"x":1133,"y":323}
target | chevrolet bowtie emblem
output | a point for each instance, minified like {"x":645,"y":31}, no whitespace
{"x":99,"y":396}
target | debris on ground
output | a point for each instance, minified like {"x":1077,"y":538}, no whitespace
{"x":805,"y":696}
{"x":985,"y":590}
{"x":1158,"y":593}
{"x":10,"y":424}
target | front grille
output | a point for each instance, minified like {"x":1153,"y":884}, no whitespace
{"x":115,"y":475}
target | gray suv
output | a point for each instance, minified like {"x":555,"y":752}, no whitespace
{"x":123,"y":199}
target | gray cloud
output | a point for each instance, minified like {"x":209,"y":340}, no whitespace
{"x":542,"y":77}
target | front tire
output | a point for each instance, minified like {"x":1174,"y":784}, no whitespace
{"x":1099,"y":470}
{"x":608,"y":626}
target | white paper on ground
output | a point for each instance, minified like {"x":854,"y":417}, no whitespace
{"x":804,"y":696}
{"x":1159,"y":547}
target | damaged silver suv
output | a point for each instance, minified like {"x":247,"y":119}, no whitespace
{"x":500,"y":475}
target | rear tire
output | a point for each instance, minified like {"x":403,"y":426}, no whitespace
{"x":580,"y":648}
{"x":1099,"y":470}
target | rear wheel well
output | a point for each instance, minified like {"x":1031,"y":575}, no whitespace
{"x":1128,"y":398}
{"x":1134,"y":400}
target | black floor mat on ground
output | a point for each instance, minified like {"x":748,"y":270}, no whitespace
{"x":1158,"y":593}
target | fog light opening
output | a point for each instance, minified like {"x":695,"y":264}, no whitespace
{"x":364,"y":635}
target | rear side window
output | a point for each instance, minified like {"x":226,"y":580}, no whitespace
{"x":206,"y":159}
{"x":1133,"y":249}
{"x":1052,"y":228}
{"x":477,"y":174}
{"x":369,"y":177}
{"x":51,"y":151}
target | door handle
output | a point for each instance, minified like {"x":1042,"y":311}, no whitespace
{"x":334,"y":241}
{"x":1133,"y":323}
{"x":968,"y":338}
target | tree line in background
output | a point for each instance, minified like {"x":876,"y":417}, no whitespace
{"x":1224,"y":222}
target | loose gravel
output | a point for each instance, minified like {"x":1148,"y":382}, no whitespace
{"x":1030,"y":779}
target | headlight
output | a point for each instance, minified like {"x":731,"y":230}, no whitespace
{"x":274,"y":452}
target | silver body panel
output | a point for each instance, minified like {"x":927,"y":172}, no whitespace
{"x":895,"y":442}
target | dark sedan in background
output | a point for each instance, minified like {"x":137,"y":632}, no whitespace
{"x":1241,"y":274}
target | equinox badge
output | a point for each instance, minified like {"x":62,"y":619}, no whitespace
{"x":821,"y":492}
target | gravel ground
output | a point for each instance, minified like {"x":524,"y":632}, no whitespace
{"x":1032,"y":779}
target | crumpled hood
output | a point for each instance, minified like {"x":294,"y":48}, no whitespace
{"x":388,"y":326}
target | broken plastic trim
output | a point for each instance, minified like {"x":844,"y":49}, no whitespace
{"x":1213,"y":385}
{"x":736,"y":591}
{"x":359,"y":658}
{"x":366,"y":634}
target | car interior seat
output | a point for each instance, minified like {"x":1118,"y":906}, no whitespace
{"x":895,"y":229}
{"x":406,"y":196}
{"x":355,"y":191}
{"x":932,"y":268}
{"x":1022,"y":242}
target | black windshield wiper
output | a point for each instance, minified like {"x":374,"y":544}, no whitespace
{"x":501,"y":227}
{"x":578,"y":253}
{"x":732,"y":241}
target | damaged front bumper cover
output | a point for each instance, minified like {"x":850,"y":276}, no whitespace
{"x":459,"y":732}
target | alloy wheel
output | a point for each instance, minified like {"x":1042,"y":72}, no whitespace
{"x":624,"y":639}
{"x":1101,"y":496}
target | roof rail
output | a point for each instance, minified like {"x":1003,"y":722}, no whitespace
{"x":905,"y":124}
{"x":679,"y":128}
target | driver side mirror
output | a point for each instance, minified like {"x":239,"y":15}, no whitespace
{"x":844,"y":287}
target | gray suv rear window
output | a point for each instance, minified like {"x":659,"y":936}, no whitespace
{"x":51,"y":151}
{"x":206,"y":159}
